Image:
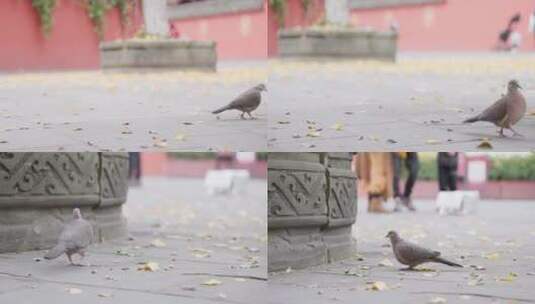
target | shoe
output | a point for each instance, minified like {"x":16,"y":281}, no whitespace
{"x":407,"y":201}
{"x":376,"y":205}
{"x":398,"y":204}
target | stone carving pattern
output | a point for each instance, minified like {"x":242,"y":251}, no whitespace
{"x":343,"y":198}
{"x":114,"y":175}
{"x":42,"y":174}
{"x":294,"y":193}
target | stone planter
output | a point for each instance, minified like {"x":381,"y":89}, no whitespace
{"x":39,"y":190}
{"x":148,"y":54}
{"x":311,"y":207}
{"x":337,"y":43}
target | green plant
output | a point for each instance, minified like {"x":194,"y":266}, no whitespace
{"x":124,"y":7}
{"x":279,"y":7}
{"x":45,"y":9}
{"x":306,"y":5}
{"x":513,"y":168}
{"x":97,"y":10}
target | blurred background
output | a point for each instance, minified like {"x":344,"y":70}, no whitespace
{"x":423,"y":25}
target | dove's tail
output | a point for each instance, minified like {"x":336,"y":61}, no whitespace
{"x":222,"y":109}
{"x":443,"y":261}
{"x":55,"y":252}
{"x":472,"y":119}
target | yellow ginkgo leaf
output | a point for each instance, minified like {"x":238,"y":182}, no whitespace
{"x":211,"y":282}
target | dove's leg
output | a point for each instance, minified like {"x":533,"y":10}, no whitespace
{"x":82,"y":257}
{"x":242,"y":115}
{"x":501,"y":133}
{"x":70,"y":258}
{"x":515,"y":133}
{"x":251,"y":116}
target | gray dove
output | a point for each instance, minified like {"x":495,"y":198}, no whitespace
{"x":505,"y":112}
{"x":413,"y":255}
{"x":75,"y":237}
{"x":247,"y":102}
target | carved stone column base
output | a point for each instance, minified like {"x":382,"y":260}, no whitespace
{"x":311,"y":207}
{"x":39,"y":190}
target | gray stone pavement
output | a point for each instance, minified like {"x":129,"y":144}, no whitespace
{"x":193,"y":237}
{"x":496,"y":245}
{"x":130,"y":111}
{"x":416,"y":104}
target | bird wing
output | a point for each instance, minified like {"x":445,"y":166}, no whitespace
{"x":77,"y":234}
{"x":411,"y":252}
{"x":496,"y":112}
{"x":249,"y":98}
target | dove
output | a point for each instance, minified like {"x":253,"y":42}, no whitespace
{"x":246,"y":102}
{"x":505,"y":112}
{"x":413,"y":255}
{"x":75,"y":237}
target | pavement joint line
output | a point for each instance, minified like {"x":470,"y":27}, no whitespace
{"x":405,"y":278}
{"x":19,"y":277}
{"x":238,"y":276}
{"x":481,"y":295}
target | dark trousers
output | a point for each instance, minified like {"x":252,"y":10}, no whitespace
{"x":447,"y":178}
{"x":412,"y":165}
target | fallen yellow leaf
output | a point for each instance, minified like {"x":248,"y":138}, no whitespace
{"x":158,"y":243}
{"x":377,"y":286}
{"x":211,"y":282}
{"x":338,"y":126}
{"x":149,"y":266}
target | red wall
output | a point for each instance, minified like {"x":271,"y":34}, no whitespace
{"x":72,"y":44}
{"x":455,"y":25}
{"x":294,"y":17}
{"x":159,"y":164}
{"x":239,"y":35}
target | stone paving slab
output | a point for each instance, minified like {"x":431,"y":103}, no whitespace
{"x":204,"y":238}
{"x":500,"y":238}
{"x":415,"y":104}
{"x":129,"y":111}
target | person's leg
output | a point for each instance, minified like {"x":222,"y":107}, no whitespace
{"x":443,"y":180}
{"x":413,"y":166}
{"x":396,"y":164}
{"x":452,"y":179}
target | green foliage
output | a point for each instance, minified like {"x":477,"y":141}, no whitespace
{"x":513,"y":168}
{"x":279,"y":7}
{"x":97,"y":10}
{"x":45,"y":9}
{"x":516,"y":168}
{"x":428,"y":169}
{"x":306,"y":5}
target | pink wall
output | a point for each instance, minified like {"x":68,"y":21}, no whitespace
{"x":524,"y":190}
{"x":295,"y":16}
{"x":455,"y":25}
{"x":238,"y":35}
{"x":159,"y":164}
{"x":72,"y":44}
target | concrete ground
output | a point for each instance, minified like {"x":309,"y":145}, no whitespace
{"x":496,"y":246}
{"x":130,"y":111}
{"x":415,"y":104}
{"x":208,"y":249}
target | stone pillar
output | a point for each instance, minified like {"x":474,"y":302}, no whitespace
{"x":311,"y":207}
{"x":39,"y":190}
{"x":337,"y":11}
{"x":155,"y":17}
